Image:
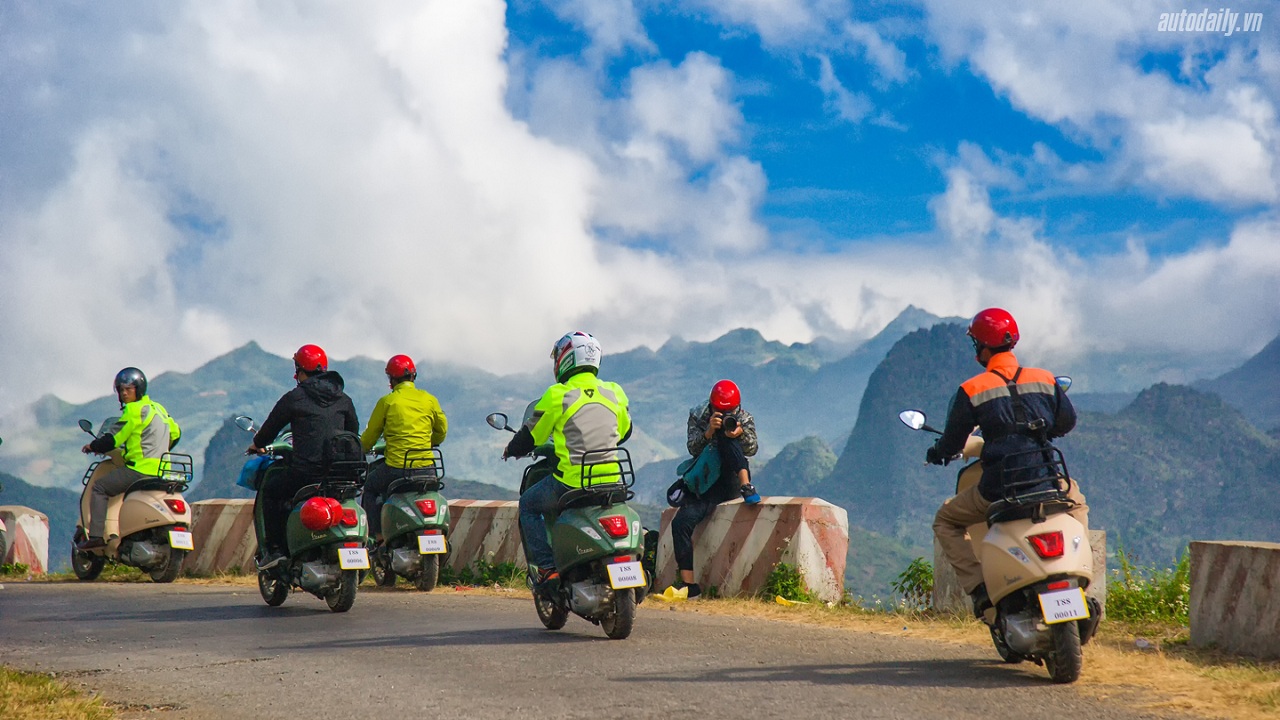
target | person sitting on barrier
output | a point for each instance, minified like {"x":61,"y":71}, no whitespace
{"x":721,"y":426}
{"x":315,"y":411}
{"x":412,"y":422}
{"x":143,"y":439}
{"x":579,"y":413}
{"x":1018,"y":408}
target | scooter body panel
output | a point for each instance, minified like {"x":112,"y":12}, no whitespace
{"x":1010,"y":562}
{"x":577,"y":536}
{"x":401,"y":516}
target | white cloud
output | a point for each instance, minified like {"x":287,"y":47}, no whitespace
{"x":847,"y":105}
{"x":782,"y":22}
{"x":613,"y":25}
{"x":889,"y":61}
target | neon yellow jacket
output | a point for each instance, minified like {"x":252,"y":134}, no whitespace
{"x":411,"y":419}
{"x":143,"y":439}
{"x":580,"y":414}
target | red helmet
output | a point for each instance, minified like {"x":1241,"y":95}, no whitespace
{"x":400,"y":367}
{"x":994,"y":328}
{"x":725,"y":396}
{"x":311,"y":359}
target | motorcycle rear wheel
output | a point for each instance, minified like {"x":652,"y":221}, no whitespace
{"x":618,"y":623}
{"x":168,"y":572}
{"x":1066,"y":660}
{"x":274,"y":590}
{"x":341,"y":598}
{"x":428,"y":573}
{"x":552,"y":615}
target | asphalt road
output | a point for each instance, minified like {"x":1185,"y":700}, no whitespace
{"x":184,"y":651}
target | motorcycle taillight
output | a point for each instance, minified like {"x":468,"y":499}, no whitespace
{"x":615,"y":525}
{"x":349,"y":517}
{"x":1048,"y":545}
{"x":176,"y":505}
{"x":426,"y":507}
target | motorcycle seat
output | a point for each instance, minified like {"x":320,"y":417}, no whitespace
{"x":594,"y":495}
{"x":156,"y":483}
{"x":1029,"y":508}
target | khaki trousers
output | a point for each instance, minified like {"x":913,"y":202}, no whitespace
{"x":968,"y":507}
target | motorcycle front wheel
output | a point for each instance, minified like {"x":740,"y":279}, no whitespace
{"x":86,"y":566}
{"x":274,"y":590}
{"x":552,"y":615}
{"x":618,"y":623}
{"x":1066,"y":660}
{"x":380,"y":562}
{"x":341,"y":598}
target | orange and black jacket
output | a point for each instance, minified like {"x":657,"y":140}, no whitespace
{"x":985,"y":401}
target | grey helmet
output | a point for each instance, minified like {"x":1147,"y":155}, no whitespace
{"x":131,"y":376}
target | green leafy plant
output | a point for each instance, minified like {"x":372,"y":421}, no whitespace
{"x":915,"y":584}
{"x":14,"y":570}
{"x":484,"y":572}
{"x":785,"y":580}
{"x":1147,"y":594}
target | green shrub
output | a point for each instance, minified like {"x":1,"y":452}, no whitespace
{"x":785,"y":580}
{"x":483,"y":572}
{"x":14,"y":570}
{"x":1149,"y":595}
{"x":915,"y":584}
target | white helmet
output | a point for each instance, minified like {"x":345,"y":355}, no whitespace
{"x":574,"y":352}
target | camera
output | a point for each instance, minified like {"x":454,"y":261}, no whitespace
{"x":729,"y":423}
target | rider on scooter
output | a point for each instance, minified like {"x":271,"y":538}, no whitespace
{"x":315,"y":410}
{"x":1018,"y":409}
{"x":579,"y":413}
{"x":411,"y":420}
{"x":144,"y":442}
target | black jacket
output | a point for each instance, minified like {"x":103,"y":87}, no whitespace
{"x":315,"y":411}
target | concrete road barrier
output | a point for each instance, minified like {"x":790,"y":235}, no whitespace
{"x":486,"y":530}
{"x":948,"y":596}
{"x":222,"y":532}
{"x":738,"y":545}
{"x":27,"y":536}
{"x":1235,"y":597}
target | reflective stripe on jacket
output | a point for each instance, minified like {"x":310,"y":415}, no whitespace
{"x":580,"y":414}
{"x":143,"y":439}
{"x":410,"y":419}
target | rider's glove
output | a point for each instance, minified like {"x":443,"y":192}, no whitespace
{"x":933,"y":457}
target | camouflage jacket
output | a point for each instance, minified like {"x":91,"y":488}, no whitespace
{"x":700,"y":420}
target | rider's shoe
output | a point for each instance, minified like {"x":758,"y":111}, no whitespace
{"x":272,"y":559}
{"x":92,"y":543}
{"x":548,"y":579}
{"x":749,"y":494}
{"x":981,"y":601}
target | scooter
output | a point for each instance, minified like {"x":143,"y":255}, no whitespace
{"x":415,"y":523}
{"x":326,"y":533}
{"x":596,"y":539}
{"x":4,"y":534}
{"x":1036,"y":563}
{"x":148,"y":525}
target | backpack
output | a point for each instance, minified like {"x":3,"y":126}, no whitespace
{"x":697,"y":475}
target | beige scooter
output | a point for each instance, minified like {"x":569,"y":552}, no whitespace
{"x":1036,"y":563}
{"x":148,"y":525}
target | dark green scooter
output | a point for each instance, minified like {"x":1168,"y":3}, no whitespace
{"x":415,"y":523}
{"x":326,"y":533}
{"x":596,"y":539}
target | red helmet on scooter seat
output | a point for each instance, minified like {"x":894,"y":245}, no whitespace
{"x":311,"y":359}
{"x":994,"y":328}
{"x":401,"y":367}
{"x":725,"y":396}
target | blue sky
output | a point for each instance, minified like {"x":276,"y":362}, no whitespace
{"x":465,"y":181}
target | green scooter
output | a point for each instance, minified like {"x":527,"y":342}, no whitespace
{"x":596,"y":539}
{"x":326,"y":532}
{"x":415,"y":523}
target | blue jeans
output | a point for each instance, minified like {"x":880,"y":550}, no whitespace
{"x":536,"y":502}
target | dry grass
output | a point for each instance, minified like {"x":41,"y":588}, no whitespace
{"x":1153,"y":659}
{"x":27,"y":696}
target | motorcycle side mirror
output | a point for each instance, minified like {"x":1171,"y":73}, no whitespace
{"x":86,"y":426}
{"x":244,"y":422}
{"x":915,"y":420}
{"x":1064,"y":382}
{"x":498,"y":421}
{"x":1,"y":441}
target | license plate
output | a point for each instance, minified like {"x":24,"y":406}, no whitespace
{"x":1064,"y":605}
{"x":626,"y":575}
{"x":181,"y":540}
{"x":353,"y":558}
{"x":431,"y":544}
